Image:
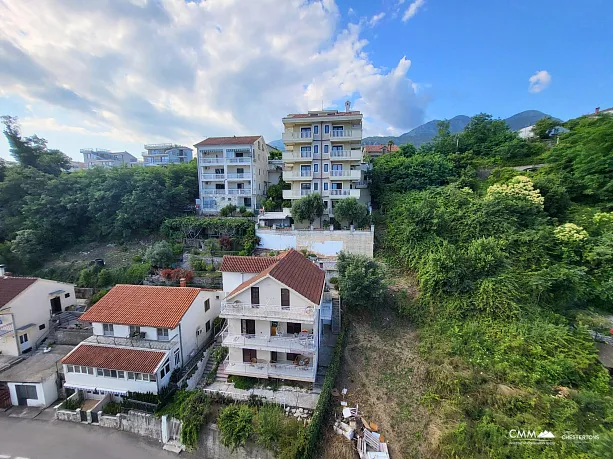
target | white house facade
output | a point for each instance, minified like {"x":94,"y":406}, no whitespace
{"x":141,"y":335}
{"x":26,"y":306}
{"x":161,"y":154}
{"x":272,"y":308}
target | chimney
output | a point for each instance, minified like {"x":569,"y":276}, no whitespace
{"x":597,"y":110}
{"x":182,"y":282}
{"x":2,"y":271}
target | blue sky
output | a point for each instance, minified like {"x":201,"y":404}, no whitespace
{"x":118,"y":73}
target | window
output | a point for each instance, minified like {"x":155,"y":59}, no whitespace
{"x":69,"y":369}
{"x":23,"y":338}
{"x":67,"y":295}
{"x":315,"y":167}
{"x":152,"y":378}
{"x":138,"y":376}
{"x":273,"y":356}
{"x":77,"y":369}
{"x":99,"y":372}
{"x":162,"y":334}
{"x":207,"y":305}
{"x":315,"y":148}
{"x":326,"y":129}
{"x":165,"y":368}
{"x":255,"y":295}
{"x":219,"y":186}
{"x":107,"y":330}
{"x":106,"y":373}
{"x":177,"y":357}
{"x":325,"y":186}
{"x":305,"y":133}
{"x":285,"y":299}
{"x":315,"y":186}
{"x":315,"y":129}
{"x":90,"y":371}
{"x":291,"y":356}
{"x":293,"y":327}
{"x":130,"y":375}
{"x":326,"y":167}
{"x":326,"y":147}
{"x":134,"y":330}
{"x":120,"y":374}
{"x":42,"y":326}
{"x":208,"y":325}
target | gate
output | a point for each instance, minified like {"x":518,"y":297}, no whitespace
{"x":83,"y":416}
{"x":5,"y":396}
{"x":174,"y":429}
{"x":95,"y":417}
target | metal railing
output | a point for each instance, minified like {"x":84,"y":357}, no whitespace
{"x":213,"y":176}
{"x":266,"y":369}
{"x":306,"y":314}
{"x":239,"y":191}
{"x":300,"y":343}
{"x":206,"y":160}
{"x":346,"y":154}
{"x":242,"y":175}
{"x":133,"y":342}
{"x":243,"y":160}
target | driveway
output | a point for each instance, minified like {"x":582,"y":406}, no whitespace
{"x":41,"y":439}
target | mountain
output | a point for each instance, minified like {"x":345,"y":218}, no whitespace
{"x":426,"y":132}
{"x":278,"y":144}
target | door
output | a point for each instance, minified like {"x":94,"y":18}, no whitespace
{"x":249,"y":326}
{"x":56,"y":305}
{"x":255,"y":296}
{"x":284,"y":298}
{"x":25,"y":392}
{"x":250,"y":355}
{"x":273,"y":328}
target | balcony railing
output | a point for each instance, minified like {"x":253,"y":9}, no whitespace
{"x":209,"y":160}
{"x":345,"y":193}
{"x":297,"y":175}
{"x":346,"y":174}
{"x":302,"y":343}
{"x":240,"y":191}
{"x":239,"y":176}
{"x":344,"y":133}
{"x":346,"y":154}
{"x":266,"y":369}
{"x":304,"y":314}
{"x":297,"y":156}
{"x":209,"y":191}
{"x":213,"y":176}
{"x":134,"y":342}
{"x":243,"y":160}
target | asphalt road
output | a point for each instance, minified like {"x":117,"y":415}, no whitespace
{"x":36,"y":439}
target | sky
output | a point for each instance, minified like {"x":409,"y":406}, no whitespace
{"x":117,"y":74}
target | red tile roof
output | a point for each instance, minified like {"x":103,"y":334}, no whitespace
{"x":115,"y":358}
{"x":10,"y":287}
{"x":236,"y":264}
{"x":144,"y":305}
{"x":379,"y":148}
{"x":242,"y":140}
{"x":292,"y":269}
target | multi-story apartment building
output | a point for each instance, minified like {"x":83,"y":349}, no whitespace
{"x":26,"y":307}
{"x":141,"y":334}
{"x":323,"y":155}
{"x":273,"y":310}
{"x":232,"y":170}
{"x":166,"y":153}
{"x":107,"y":158}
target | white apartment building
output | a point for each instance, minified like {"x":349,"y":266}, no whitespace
{"x":324,"y":155}
{"x":141,"y":334}
{"x":106,"y":158}
{"x":26,"y":307}
{"x":161,"y":154}
{"x":232,"y":170}
{"x":274,"y":323}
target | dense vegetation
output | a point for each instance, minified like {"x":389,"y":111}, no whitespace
{"x":509,"y":264}
{"x":43,"y":208}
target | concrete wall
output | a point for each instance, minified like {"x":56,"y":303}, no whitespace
{"x":196,"y":318}
{"x":212,"y":448}
{"x":70,"y":337}
{"x":233,"y":280}
{"x":327,"y":243}
{"x":270,"y":294}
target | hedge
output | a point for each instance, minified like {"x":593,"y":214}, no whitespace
{"x":205,"y":226}
{"x":312,"y":434}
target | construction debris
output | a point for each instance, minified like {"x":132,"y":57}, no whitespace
{"x":370,"y":444}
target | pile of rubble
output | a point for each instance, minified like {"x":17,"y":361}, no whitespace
{"x":302,"y":414}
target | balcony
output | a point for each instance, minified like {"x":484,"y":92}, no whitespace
{"x":340,"y":155}
{"x":267,"y":312}
{"x":209,"y":160}
{"x":293,"y":156}
{"x":240,"y":191}
{"x":345,"y":174}
{"x":339,"y":194}
{"x":133,"y":342}
{"x":319,"y":155}
{"x":265,"y":369}
{"x":298,"y":175}
{"x":291,"y":194}
{"x":289,"y":137}
{"x":240,"y":176}
{"x":213,"y":176}
{"x":347,"y":134}
{"x":213,"y":191}
{"x":361,"y":184}
{"x":288,"y":343}
{"x":240,"y":160}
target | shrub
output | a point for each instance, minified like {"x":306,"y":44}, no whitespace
{"x":225,"y":242}
{"x":236,"y":425}
{"x":360,"y":280}
{"x":137,"y":259}
{"x":72,"y":404}
{"x":112,"y":408}
{"x":160,"y":255}
{"x":269,"y":426}
{"x":177,"y":274}
{"x":105,"y":278}
{"x":194,"y":412}
{"x":244,"y":382}
{"x":227,"y":210}
{"x":248,"y":214}
{"x":178,"y":248}
{"x":98,"y":295}
{"x":135,"y":274}
{"x":242,"y":210}
{"x":87,"y":277}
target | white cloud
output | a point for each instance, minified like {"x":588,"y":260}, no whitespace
{"x":412,"y":9}
{"x":375,"y":19}
{"x":179,"y":71}
{"x":539,"y":81}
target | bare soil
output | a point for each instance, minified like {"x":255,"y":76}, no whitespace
{"x":385,"y":378}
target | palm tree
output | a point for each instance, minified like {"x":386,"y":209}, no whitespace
{"x":390,"y":143}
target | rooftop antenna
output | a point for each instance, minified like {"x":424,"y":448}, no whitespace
{"x":322,"y":105}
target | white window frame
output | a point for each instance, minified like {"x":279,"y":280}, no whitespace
{"x":163,"y":334}
{"x":108,"y":330}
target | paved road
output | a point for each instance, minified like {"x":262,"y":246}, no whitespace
{"x":35,"y":439}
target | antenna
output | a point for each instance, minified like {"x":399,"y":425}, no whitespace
{"x":322,"y":105}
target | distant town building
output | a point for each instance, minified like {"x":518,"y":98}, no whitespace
{"x":374,"y":151}
{"x":166,"y":153}
{"x":232,"y":170}
{"x":106,"y":158}
{"x":76,"y":166}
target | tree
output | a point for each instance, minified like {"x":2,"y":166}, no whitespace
{"x":228,"y":210}
{"x":545,"y":127}
{"x":235,"y":424}
{"x":360,"y":280}
{"x":390,"y":144}
{"x":160,"y":255}
{"x":352,"y":210}
{"x":308,"y":208}
{"x":28,"y":247}
{"x":33,"y":151}
{"x":275,"y":154}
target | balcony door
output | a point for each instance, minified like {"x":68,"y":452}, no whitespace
{"x":255,"y":296}
{"x":250,"y":355}
{"x":248,"y":326}
{"x":284,"y":298}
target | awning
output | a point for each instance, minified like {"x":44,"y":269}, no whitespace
{"x":57,"y":292}
{"x":25,"y":327}
{"x":99,"y":389}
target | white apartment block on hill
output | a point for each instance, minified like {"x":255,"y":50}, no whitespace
{"x":166,"y":153}
{"x":141,"y":335}
{"x":275,"y":309}
{"x":324,"y":155}
{"x":232,"y":170}
{"x":107,"y":158}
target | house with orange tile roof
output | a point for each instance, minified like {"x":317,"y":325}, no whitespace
{"x":142,"y":334}
{"x":275,"y":309}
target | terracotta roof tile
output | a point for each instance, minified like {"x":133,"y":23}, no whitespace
{"x":10,"y":287}
{"x":236,"y":264}
{"x":241,"y":140}
{"x":379,"y":148}
{"x":144,"y":305}
{"x":115,"y":358}
{"x":291,"y":268}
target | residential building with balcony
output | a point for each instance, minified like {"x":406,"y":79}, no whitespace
{"x":27,"y":304}
{"x":93,"y":157}
{"x":166,"y":153}
{"x":273,"y":307}
{"x":323,"y":155}
{"x":141,"y":335}
{"x":232,"y":170}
